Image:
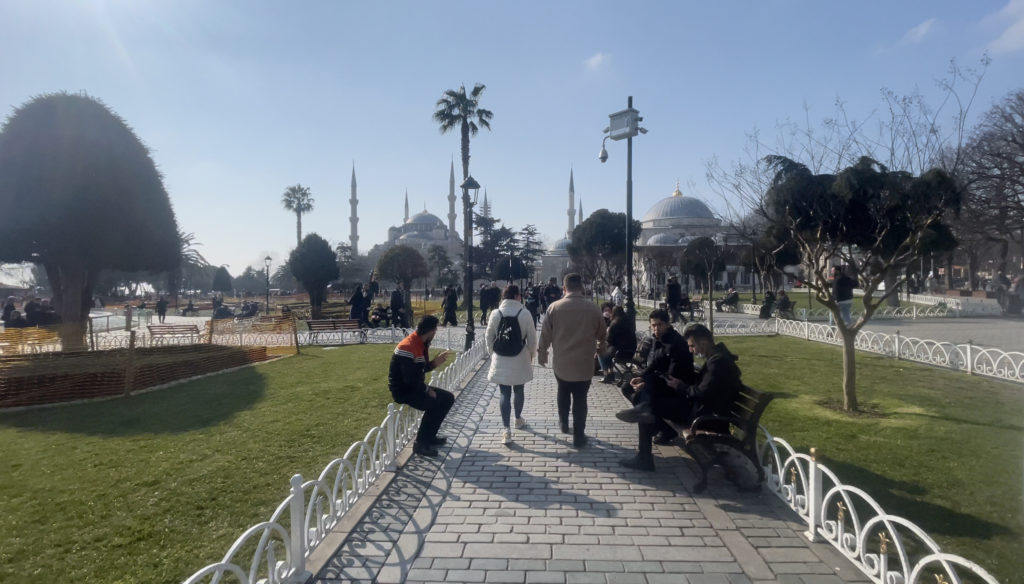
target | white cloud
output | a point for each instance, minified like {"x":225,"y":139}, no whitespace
{"x":1012,"y":37}
{"x":918,"y":33}
{"x":597,"y":61}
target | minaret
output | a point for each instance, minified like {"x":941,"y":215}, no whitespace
{"x":572,"y":204}
{"x":353,"y":238}
{"x":581,"y":210}
{"x":406,"y":220}
{"x":485,"y":210}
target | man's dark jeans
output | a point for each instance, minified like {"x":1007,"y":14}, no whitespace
{"x":574,"y":392}
{"x":665,"y":404}
{"x":434,"y":410}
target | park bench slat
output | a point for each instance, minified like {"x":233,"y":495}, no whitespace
{"x":334,"y":324}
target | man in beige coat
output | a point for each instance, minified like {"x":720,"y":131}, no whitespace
{"x":575,"y":330}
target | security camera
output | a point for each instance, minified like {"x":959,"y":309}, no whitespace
{"x":603,"y":156}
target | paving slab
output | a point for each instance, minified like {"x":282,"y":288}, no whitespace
{"x":539,"y":510}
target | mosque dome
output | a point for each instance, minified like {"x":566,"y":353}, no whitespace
{"x":663,"y":239}
{"x":561,"y":247}
{"x":425,"y":218}
{"x":678,"y":206}
{"x":422,"y":236}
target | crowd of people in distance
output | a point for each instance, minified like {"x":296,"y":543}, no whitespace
{"x":33,"y":312}
{"x":668,"y":385}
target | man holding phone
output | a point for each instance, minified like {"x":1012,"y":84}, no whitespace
{"x":407,"y":382}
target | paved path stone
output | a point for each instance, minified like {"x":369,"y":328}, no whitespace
{"x":540,"y":511}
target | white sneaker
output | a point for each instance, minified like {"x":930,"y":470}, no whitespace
{"x":520,"y":422}
{"x":506,"y":436}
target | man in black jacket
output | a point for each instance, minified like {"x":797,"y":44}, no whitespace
{"x":711,"y":391}
{"x":406,"y":380}
{"x":398,"y":315}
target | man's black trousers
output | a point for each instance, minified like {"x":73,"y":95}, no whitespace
{"x":434,"y":410}
{"x":575,"y":393}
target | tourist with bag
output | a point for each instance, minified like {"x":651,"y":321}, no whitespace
{"x":511,"y":341}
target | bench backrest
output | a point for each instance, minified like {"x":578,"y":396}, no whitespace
{"x":747,"y":410}
{"x":333,"y":325}
{"x":173,"y":329}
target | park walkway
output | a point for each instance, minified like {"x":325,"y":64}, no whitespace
{"x":540,"y":511}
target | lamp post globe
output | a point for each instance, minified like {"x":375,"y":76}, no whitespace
{"x":467,"y":212}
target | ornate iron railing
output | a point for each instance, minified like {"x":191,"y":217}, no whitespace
{"x":913,"y":312}
{"x":887,"y":548}
{"x":275,"y":551}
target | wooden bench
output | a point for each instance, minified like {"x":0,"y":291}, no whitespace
{"x":334,"y":325}
{"x":28,"y":340}
{"x":735,"y":451}
{"x":163,"y":332}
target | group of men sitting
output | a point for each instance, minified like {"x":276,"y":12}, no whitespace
{"x":669,"y":387}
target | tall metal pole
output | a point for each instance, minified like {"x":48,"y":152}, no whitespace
{"x":630,"y":309}
{"x":467,"y":212}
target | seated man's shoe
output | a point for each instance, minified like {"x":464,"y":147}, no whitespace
{"x":638,"y":463}
{"x":609,"y":378}
{"x":641,"y":413}
{"x":423,"y":449}
{"x":438,"y":440}
{"x":565,"y":428}
{"x":665,"y":438}
{"x":580,"y":442}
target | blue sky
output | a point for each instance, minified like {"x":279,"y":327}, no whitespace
{"x":240,"y":99}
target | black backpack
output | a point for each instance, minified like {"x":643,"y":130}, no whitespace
{"x":509,"y":341}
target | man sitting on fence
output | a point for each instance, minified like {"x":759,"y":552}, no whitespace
{"x":406,"y":380}
{"x":715,"y":387}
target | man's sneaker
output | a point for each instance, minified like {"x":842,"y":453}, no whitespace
{"x":520,"y":422}
{"x":638,"y":463}
{"x":580,"y":442}
{"x":423,"y":449}
{"x":506,"y":436}
{"x":641,"y":413}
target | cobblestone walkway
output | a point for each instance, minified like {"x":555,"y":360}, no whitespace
{"x":540,"y":511}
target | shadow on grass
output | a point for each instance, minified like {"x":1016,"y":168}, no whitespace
{"x":179,"y":408}
{"x":902,"y":498}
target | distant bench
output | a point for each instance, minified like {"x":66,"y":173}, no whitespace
{"x":163,"y":332}
{"x":735,"y":450}
{"x":334,"y":325}
{"x":28,"y":340}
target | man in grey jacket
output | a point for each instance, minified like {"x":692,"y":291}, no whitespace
{"x":575,"y":331}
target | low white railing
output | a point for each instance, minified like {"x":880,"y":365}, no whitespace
{"x":887,"y":548}
{"x":275,"y":551}
{"x":912,"y":312}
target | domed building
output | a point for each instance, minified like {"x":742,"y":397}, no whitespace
{"x":665,"y":231}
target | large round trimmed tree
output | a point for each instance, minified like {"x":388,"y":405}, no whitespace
{"x":80,"y":194}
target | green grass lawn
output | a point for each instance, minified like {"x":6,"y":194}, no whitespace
{"x":943,"y":449}
{"x":155,"y":486}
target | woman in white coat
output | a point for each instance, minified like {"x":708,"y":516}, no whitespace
{"x":511,"y":373}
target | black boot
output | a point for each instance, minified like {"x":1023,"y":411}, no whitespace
{"x":423,"y":449}
{"x":639,"y":462}
{"x":641,"y":413}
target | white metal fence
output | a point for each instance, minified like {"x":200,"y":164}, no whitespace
{"x":887,"y":548}
{"x":275,"y":551}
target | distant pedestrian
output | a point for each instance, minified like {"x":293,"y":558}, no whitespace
{"x":161,"y":309}
{"x":574,"y":329}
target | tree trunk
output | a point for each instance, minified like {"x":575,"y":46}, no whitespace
{"x":72,"y":293}
{"x":949,"y":271}
{"x":972,"y":269}
{"x":849,"y":369}
{"x":298,"y":228}
{"x":890,"y":282}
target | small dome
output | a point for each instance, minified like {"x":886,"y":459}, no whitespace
{"x":679,"y":206}
{"x":425,"y":218}
{"x":662,"y":239}
{"x":560,"y":247}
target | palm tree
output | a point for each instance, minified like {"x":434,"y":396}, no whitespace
{"x":456,"y":109}
{"x":192,"y":262}
{"x":298,"y":200}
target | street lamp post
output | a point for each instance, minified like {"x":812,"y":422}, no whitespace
{"x":624,"y":125}
{"x":266,"y":262}
{"x":467,"y":255}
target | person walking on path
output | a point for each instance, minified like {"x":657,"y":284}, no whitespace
{"x":575,"y":330}
{"x":161,"y":309}
{"x":450,"y":304}
{"x":842,"y":293}
{"x":512,"y":353}
{"x":406,"y":380}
